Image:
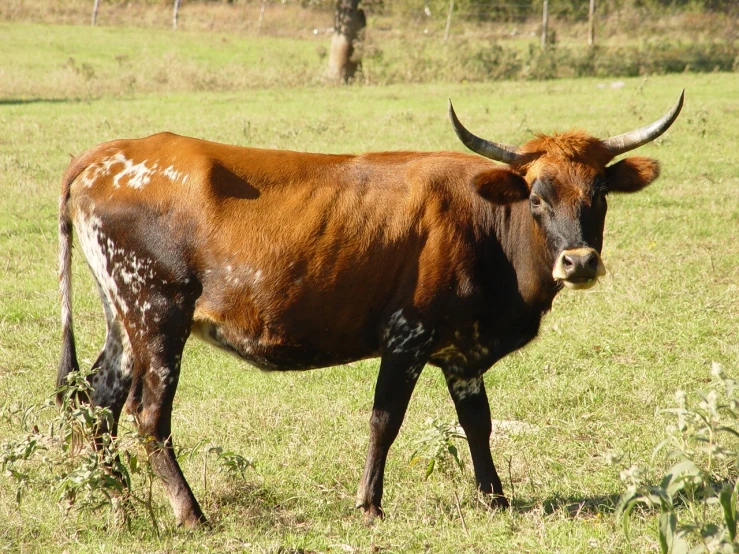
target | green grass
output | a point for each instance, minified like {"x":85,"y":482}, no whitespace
{"x":605,"y":360}
{"x":63,"y":62}
{"x":83,"y":62}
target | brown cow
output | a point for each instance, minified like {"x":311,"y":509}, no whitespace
{"x":298,"y":261}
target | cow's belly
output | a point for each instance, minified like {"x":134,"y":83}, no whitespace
{"x":270,"y":353}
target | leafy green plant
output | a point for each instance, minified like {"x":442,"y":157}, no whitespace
{"x":230,"y":463}
{"x":697,"y":496}
{"x":436,"y":446}
{"x":84,"y":466}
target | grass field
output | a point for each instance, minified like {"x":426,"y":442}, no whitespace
{"x":589,"y":386}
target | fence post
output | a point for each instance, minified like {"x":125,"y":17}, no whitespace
{"x":448,"y":20}
{"x":261,"y":16}
{"x":175,"y":12}
{"x":591,"y":24}
{"x":545,"y":25}
{"x":95,"y":12}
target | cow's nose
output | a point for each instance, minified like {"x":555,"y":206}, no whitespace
{"x":578,"y":268}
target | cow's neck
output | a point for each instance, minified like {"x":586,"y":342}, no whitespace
{"x":525,"y":250}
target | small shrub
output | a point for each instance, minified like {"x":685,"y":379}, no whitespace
{"x":697,"y":496}
{"x":436,"y":447}
{"x":233,"y":465}
{"x":84,"y":466}
{"x":81,"y":466}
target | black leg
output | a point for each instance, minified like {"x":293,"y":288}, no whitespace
{"x":473,"y":411}
{"x":111,"y":376}
{"x":152,"y":395}
{"x":393,"y":392}
{"x":405,"y":351}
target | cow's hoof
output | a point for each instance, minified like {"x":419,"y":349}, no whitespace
{"x":371,"y":513}
{"x":498,"y":502}
{"x":194,"y":521}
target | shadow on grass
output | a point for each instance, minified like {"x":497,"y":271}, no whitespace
{"x":260,"y":510}
{"x":255,"y":505}
{"x":573,"y":506}
{"x":24,"y":101}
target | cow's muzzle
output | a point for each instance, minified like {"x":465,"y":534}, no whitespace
{"x":578,"y":268}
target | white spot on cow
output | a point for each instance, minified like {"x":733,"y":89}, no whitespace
{"x":477,"y":350}
{"x":145,"y":307}
{"x":96,"y":170}
{"x":139,"y":175}
{"x":132,"y":271}
{"x":243,"y":274}
{"x":402,"y":337}
{"x":87,"y":177}
{"x":173,"y":175}
{"x":462,"y":388}
{"x":95,"y":247}
{"x":107,"y":163}
{"x":399,"y":333}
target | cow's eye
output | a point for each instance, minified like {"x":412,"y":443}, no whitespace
{"x":536,"y":201}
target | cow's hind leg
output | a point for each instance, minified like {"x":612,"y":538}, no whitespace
{"x":110,"y":378}
{"x":158,"y":344}
{"x":405,"y":351}
{"x":473,"y":411}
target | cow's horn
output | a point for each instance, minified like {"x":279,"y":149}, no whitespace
{"x":634,"y":139}
{"x":493,"y":150}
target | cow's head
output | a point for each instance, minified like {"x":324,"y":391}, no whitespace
{"x":568,"y":177}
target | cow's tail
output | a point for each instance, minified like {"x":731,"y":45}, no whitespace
{"x":68,"y":362}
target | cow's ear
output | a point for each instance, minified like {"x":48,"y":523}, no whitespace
{"x":631,"y":174}
{"x":501,"y":186}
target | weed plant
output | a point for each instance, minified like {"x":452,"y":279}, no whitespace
{"x":697,"y":497}
{"x":437,"y":447}
{"x":83,"y":466}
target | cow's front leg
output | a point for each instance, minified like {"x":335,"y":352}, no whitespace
{"x":473,"y":411}
{"x":405,"y":351}
{"x":393,"y":392}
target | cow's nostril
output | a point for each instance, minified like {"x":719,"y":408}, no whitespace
{"x":567,"y":262}
{"x":592,"y":261}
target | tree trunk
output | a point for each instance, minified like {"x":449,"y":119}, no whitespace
{"x":349,"y":24}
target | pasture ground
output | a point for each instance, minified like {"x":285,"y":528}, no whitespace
{"x":590,"y":386}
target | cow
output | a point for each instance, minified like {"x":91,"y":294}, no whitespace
{"x":296,"y":261}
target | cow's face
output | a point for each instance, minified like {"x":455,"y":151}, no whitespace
{"x":567,"y":178}
{"x":568,"y":202}
{"x":570,"y":216}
